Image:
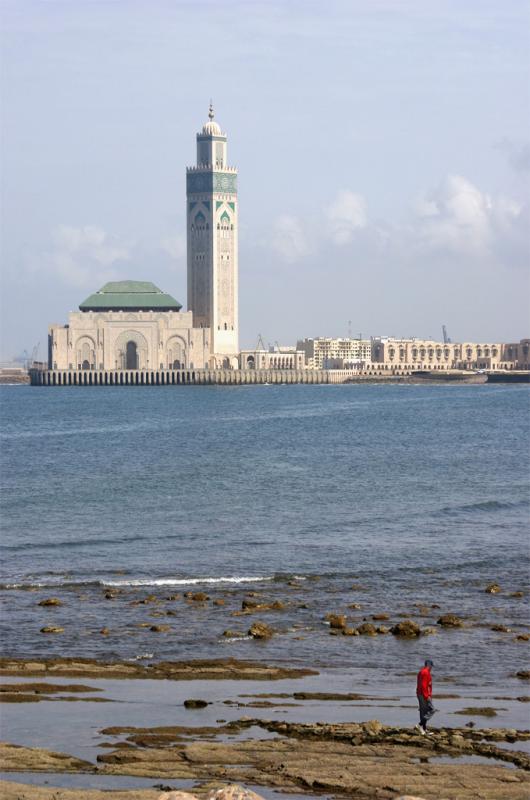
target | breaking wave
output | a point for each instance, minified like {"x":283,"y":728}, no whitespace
{"x":66,"y":583}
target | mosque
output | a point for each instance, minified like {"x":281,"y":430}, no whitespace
{"x":134,"y":325}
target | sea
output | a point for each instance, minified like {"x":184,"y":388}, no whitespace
{"x":405,"y":500}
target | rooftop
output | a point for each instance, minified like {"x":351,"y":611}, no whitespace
{"x":130,"y":296}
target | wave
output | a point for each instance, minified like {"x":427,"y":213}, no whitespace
{"x":72,"y":544}
{"x":137,"y":582}
{"x":187,"y":581}
{"x":484,"y":505}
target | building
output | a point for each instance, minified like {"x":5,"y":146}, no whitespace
{"x":129,"y":325}
{"x":273,"y":358}
{"x":212,"y":234}
{"x":133,"y":325}
{"x":324,"y":353}
{"x":427,"y":354}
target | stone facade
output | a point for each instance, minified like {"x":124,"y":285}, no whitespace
{"x":326,"y":353}
{"x":120,"y":327}
{"x":212,"y":244}
{"x":121,"y":340}
{"x":427,"y":354}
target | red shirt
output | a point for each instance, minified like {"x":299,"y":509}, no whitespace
{"x":424,"y":684}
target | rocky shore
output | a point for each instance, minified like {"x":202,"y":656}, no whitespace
{"x":367,"y":760}
{"x":197,"y":669}
{"x":280,"y":631}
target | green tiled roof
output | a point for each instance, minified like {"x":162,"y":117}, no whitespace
{"x":130,"y":296}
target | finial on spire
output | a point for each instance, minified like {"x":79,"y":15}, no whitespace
{"x":210,"y":111}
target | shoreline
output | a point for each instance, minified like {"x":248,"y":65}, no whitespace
{"x":290,"y":738}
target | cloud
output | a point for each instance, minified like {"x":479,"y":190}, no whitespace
{"x":84,"y":256}
{"x":457,"y":217}
{"x":289,"y":239}
{"x":346,"y":215}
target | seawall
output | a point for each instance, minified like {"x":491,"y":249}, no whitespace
{"x":184,"y":377}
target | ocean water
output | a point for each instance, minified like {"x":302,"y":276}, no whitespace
{"x":391,"y":497}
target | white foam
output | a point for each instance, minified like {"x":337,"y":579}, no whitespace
{"x":188,"y":581}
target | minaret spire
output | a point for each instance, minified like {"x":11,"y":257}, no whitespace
{"x":210,"y":111}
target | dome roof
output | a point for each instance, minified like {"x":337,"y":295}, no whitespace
{"x":211,"y":128}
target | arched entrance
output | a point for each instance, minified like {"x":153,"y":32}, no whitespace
{"x":131,"y":356}
{"x":131,"y":351}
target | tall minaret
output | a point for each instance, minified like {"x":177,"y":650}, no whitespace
{"x":211,"y":191}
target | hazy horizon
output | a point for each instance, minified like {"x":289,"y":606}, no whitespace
{"x":382,"y":148}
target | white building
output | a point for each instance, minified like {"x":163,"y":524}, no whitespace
{"x":128,"y":325}
{"x":273,"y":358}
{"x":133,"y":325}
{"x":326,"y":353}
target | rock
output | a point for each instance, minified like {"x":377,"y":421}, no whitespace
{"x":52,"y":629}
{"x":407,"y":629}
{"x":517,"y":594}
{"x":367,"y":629}
{"x":151,"y":598}
{"x":159,"y":628}
{"x":233,"y":792}
{"x":260,"y":630}
{"x":104,"y":631}
{"x":523,"y":699}
{"x":254,"y":605}
{"x":110,"y":595}
{"x":380,"y":617}
{"x":501,"y":629}
{"x":523,"y":637}
{"x":493,"y":588}
{"x":219,"y":602}
{"x":383,"y":629}
{"x":355,"y":605}
{"x":336,"y":620}
{"x":51,"y":601}
{"x":228,"y":634}
{"x":177,"y":796}
{"x":349,"y":632}
{"x":523,"y":674}
{"x":372,"y":728}
{"x":195,"y":703}
{"x":450,"y":621}
{"x":478,"y":712}
{"x":199,"y":597}
{"x":428,"y":631}
{"x":409,"y":797}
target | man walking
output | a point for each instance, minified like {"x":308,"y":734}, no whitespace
{"x":424,"y":695}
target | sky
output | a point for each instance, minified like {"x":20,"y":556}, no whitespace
{"x":382,"y":145}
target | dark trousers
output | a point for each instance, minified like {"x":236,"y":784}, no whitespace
{"x":426,"y":710}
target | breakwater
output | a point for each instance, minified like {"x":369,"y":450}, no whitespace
{"x":183,"y":377}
